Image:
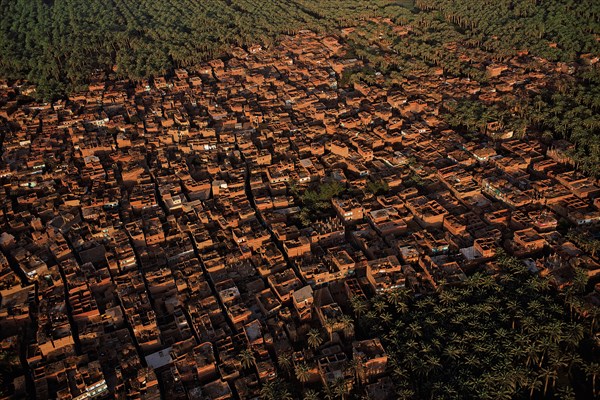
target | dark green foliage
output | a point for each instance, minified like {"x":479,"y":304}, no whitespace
{"x":378,"y":187}
{"x":566,"y":110}
{"x":10,"y":367}
{"x":571,"y":111}
{"x":498,"y":26}
{"x":59,"y":44}
{"x":322,"y":194}
{"x":585,"y":241}
{"x":473,"y":115}
{"x":275,"y":390}
{"x":505,"y":338}
{"x":558,"y":30}
{"x":315,"y":202}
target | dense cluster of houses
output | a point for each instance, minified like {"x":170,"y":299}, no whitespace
{"x":150,"y":230}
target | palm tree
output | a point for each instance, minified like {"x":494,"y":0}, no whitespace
{"x":539,"y":285}
{"x":247,"y":358}
{"x":433,"y":363}
{"x":284,"y":394}
{"x":572,"y":301}
{"x":397,"y":296}
{"x":372,"y":319}
{"x":531,"y":352}
{"x":356,"y":366}
{"x":593,"y":370}
{"x":340,"y":388}
{"x":314,"y":338}
{"x":573,"y":335}
{"x":386,"y":318}
{"x":447,"y":297}
{"x":400,"y":373}
{"x":545,"y":345}
{"x":329,"y":392}
{"x":347,"y":326}
{"x":284,"y":361}
{"x":310,"y":395}
{"x":358,"y":305}
{"x":534,"y":384}
{"x":566,"y":393}
{"x":414,"y":330}
{"x":593,"y":314}
{"x":547,"y":374}
{"x":268,"y":391}
{"x":302,"y":373}
{"x":580,"y":280}
{"x":554,"y":331}
{"x":405,"y":394}
{"x":421,"y":368}
{"x":452,"y":352}
{"x":379,"y":305}
{"x":402,"y":307}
